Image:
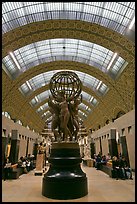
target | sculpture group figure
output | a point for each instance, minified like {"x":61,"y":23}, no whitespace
{"x":64,"y":116}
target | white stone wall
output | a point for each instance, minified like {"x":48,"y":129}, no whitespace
{"x":123,"y":122}
{"x":105,"y":148}
{"x":22,"y":148}
{"x":23,"y":134}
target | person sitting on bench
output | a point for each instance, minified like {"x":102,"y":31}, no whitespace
{"x":125,"y":168}
{"x":116,"y":168}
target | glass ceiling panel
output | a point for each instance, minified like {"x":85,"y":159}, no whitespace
{"x":39,"y":98}
{"x":82,"y":114}
{"x":9,"y":64}
{"x":50,"y":118}
{"x":61,"y":49}
{"x":45,"y":95}
{"x":83,"y":106}
{"x":44,"y":78}
{"x":89,"y":98}
{"x":113,"y":15}
{"x":118,"y":65}
{"x":42,"y":108}
{"x":46,"y":114}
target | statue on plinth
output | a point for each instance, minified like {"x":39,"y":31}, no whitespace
{"x":87,"y":152}
{"x":40,"y":159}
{"x":41,"y":148}
{"x":65,"y":87}
{"x":65,"y":178}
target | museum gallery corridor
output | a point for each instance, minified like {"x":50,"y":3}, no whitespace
{"x":68,"y":78}
{"x":101,"y":188}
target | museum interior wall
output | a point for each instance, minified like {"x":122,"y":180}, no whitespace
{"x":114,"y":138}
{"x":17,"y":136}
{"x":123,"y":134}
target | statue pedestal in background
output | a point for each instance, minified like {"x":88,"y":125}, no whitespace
{"x":87,"y":156}
{"x":39,"y":164}
{"x":65,"y":178}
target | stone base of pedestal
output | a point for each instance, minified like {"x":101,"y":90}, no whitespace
{"x":38,"y":173}
{"x":39,"y":165}
{"x":65,"y":178}
{"x":65,"y":188}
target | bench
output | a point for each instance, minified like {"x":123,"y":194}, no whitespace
{"x":88,"y":162}
{"x":108,"y":170}
{"x":16,"y":171}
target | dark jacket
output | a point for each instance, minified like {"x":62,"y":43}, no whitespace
{"x":115,"y":164}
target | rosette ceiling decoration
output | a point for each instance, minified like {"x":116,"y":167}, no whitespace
{"x":93,"y":39}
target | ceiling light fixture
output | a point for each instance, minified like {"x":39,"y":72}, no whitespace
{"x":86,"y":107}
{"x":132,"y":23}
{"x":112,"y":60}
{"x":41,"y":107}
{"x":14,"y":59}
{"x":29,"y":85}
{"x":99,"y":85}
{"x":36,"y":99}
{"x":43,"y":84}
{"x":91,"y":99}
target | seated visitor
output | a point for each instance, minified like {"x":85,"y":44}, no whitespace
{"x":117,"y":169}
{"x":20,"y":162}
{"x":30,"y":158}
{"x":27,"y":165}
{"x":98,"y":162}
{"x":125,"y":168}
{"x":94,"y":159}
{"x":108,"y":157}
{"x":103,"y":160}
{"x":7,"y":169}
{"x":120,"y":156}
{"x":23,"y":165}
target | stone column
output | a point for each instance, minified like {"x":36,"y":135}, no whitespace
{"x":27,"y":146}
{"x":100,"y":144}
{"x":4,"y":143}
{"x":124,"y":148}
{"x":14,"y":152}
{"x":113,"y":150}
{"x":35,"y":149}
{"x":92,"y":147}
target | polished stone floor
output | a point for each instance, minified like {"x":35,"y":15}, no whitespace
{"x":101,"y":188}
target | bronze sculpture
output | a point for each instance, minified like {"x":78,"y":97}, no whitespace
{"x":65,"y":178}
{"x":55,"y":110}
{"x":65,"y":87}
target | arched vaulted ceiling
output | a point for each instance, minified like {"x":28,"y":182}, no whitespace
{"x":92,"y":39}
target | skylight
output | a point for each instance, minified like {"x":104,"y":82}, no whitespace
{"x":53,"y":50}
{"x":39,"y":98}
{"x":43,"y":79}
{"x":89,"y":98}
{"x":46,"y":114}
{"x":82,"y":114}
{"x":85,"y":107}
{"x":42,"y":108}
{"x":45,"y":95}
{"x":114,"y":15}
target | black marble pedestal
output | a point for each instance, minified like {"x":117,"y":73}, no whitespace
{"x":65,"y":178}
